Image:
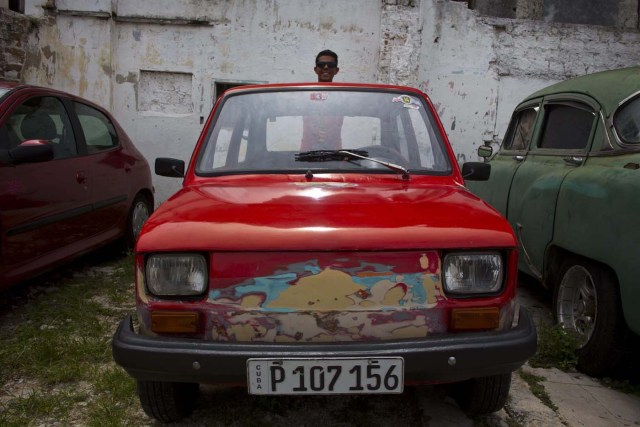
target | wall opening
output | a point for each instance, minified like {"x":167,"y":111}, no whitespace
{"x":594,"y":12}
{"x":221,"y":85}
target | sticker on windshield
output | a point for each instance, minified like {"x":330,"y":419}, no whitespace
{"x":318,"y":96}
{"x":407,"y":101}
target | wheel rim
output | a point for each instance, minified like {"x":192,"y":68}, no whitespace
{"x":577,"y":307}
{"x":139,"y":216}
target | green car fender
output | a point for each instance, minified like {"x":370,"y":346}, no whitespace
{"x":608,"y":188}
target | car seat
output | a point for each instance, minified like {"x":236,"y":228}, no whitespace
{"x":39,"y":125}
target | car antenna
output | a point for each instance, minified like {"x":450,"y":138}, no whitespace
{"x":309,"y":175}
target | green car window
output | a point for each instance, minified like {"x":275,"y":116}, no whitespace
{"x":627,"y":122}
{"x":566,"y":127}
{"x":519,"y":133}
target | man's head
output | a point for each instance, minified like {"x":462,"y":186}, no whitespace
{"x":326,"y":66}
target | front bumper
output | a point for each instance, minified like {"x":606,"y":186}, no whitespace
{"x":426,"y":360}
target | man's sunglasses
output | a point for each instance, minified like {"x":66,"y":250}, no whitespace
{"x":322,"y":64}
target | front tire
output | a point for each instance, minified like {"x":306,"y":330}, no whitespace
{"x":141,"y":209}
{"x":586,"y":303}
{"x":167,"y":402}
{"x":480,"y":396}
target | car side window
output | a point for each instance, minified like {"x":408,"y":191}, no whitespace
{"x":42,"y":118}
{"x":99,"y":132}
{"x":627,"y":122}
{"x":567,"y":126}
{"x":520,"y":131}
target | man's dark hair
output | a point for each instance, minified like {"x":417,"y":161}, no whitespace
{"x":327,"y":53}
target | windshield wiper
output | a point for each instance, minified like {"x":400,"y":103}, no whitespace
{"x":328,"y":155}
{"x":346,"y":155}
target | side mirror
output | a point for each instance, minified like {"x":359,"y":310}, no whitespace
{"x":172,"y":168}
{"x":476,"y":171}
{"x":485,"y":151}
{"x":31,"y":151}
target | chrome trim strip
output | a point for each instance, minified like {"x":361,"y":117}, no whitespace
{"x":527,"y":259}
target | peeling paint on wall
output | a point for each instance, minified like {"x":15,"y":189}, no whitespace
{"x":14,"y":32}
{"x":401,"y":29}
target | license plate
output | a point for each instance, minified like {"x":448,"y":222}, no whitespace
{"x":326,"y":376}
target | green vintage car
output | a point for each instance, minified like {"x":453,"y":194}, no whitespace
{"x":567,"y":178}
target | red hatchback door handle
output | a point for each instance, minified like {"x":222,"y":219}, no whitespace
{"x":81,"y":178}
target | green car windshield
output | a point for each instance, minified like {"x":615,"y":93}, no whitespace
{"x":266,"y":132}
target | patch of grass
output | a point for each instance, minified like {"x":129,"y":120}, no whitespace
{"x":116,"y":395}
{"x":63,"y":333}
{"x":122,"y":294}
{"x":61,"y":338}
{"x":46,"y":407}
{"x":556,"y":348}
{"x":537,"y":388}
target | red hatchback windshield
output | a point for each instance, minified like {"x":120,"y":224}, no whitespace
{"x":267,"y":131}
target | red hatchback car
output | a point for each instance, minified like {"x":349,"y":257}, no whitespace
{"x":323,"y":242}
{"x":71,"y":180}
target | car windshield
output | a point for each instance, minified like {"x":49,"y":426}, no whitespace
{"x":267,"y":132}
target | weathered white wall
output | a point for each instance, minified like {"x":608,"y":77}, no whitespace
{"x":477,"y":69}
{"x":73,"y":54}
{"x":138,"y":61}
{"x":154,"y":64}
{"x":454,"y":71}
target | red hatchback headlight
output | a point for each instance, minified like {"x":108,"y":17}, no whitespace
{"x":176,"y":274}
{"x":473,"y":273}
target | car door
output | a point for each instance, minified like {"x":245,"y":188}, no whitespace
{"x":43,"y":206}
{"x":560,"y":146}
{"x":512,"y":154}
{"x":107,"y":167}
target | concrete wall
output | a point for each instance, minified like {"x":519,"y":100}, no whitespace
{"x":477,"y":68}
{"x":155,"y":64}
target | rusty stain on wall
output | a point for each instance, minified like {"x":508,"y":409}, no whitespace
{"x":129,"y":78}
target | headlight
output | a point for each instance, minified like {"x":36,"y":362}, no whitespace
{"x":473,"y":273}
{"x":176,"y":274}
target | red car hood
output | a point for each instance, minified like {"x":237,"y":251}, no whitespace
{"x":322,"y":216}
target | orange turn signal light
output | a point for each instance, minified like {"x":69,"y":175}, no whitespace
{"x":480,"y":318}
{"x":173,"y":322}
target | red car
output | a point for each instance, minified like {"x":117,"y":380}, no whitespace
{"x":71,"y":180}
{"x":323,"y":242}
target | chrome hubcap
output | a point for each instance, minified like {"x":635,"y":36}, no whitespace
{"x":577,"y":307}
{"x":140,"y":215}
